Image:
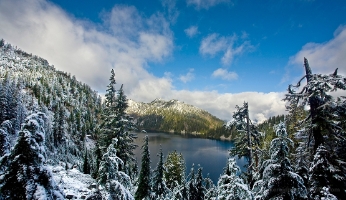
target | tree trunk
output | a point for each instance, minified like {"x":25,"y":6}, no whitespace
{"x":314,"y":104}
{"x":249,"y":143}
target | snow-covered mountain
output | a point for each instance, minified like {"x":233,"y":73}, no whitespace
{"x":175,"y":116}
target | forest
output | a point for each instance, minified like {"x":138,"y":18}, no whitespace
{"x":49,"y":118}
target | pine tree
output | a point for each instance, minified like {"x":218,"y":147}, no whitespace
{"x":124,"y":125}
{"x":191,"y":184}
{"x":26,"y":176}
{"x":4,"y":138}
{"x":210,"y":189}
{"x":86,"y":167}
{"x":117,"y":124}
{"x":200,"y":185}
{"x":247,"y":139}
{"x":323,"y":118}
{"x":175,"y":170}
{"x":143,"y":190}
{"x":324,"y":125}
{"x":326,"y":179}
{"x":110,"y":92}
{"x":230,"y":186}
{"x":116,"y":182}
{"x":159,"y":187}
{"x":278,"y":178}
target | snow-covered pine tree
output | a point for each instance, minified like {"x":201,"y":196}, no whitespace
{"x":116,"y":182}
{"x":117,"y":124}
{"x":200,"y":188}
{"x":325,"y":123}
{"x":108,"y":128}
{"x":210,"y":189}
{"x":191,"y":184}
{"x":175,"y":170}
{"x":326,"y":179}
{"x":159,"y":187}
{"x":86,"y":166}
{"x":195,"y":184}
{"x":302,"y":161}
{"x":111,"y":92}
{"x":247,"y":139}
{"x":143,"y":190}
{"x":4,"y":138}
{"x":323,"y":118}
{"x":124,"y":125}
{"x":230,"y":186}
{"x":278,"y":178}
{"x":27,"y":177}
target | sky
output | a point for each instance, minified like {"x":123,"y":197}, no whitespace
{"x":213,"y":54}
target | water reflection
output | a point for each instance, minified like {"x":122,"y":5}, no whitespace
{"x":210,"y":154}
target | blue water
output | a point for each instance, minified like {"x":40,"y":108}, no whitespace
{"x":209,"y":154}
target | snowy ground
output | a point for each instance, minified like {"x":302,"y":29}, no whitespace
{"x":74,"y":183}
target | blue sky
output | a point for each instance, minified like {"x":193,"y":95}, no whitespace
{"x":214,"y":54}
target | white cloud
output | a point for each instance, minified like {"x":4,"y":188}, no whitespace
{"x":213,"y":44}
{"x":191,"y":31}
{"x":261,"y":105}
{"x":171,"y":10}
{"x":325,"y":57}
{"x":205,"y":4}
{"x":187,"y":77}
{"x":224,"y":74}
{"x":126,"y":42}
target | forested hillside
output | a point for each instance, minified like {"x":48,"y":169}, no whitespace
{"x":176,"y":117}
{"x":29,"y":84}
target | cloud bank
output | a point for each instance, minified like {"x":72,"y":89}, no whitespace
{"x":325,"y":57}
{"x":127,"y":42}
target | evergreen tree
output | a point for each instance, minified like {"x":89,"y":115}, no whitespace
{"x":86,"y":167}
{"x":116,"y":182}
{"x":191,"y":184}
{"x":26,"y":176}
{"x":200,"y":185}
{"x":117,"y":124}
{"x":98,"y":156}
{"x":159,"y":187}
{"x":175,"y":170}
{"x":230,"y":186}
{"x":326,"y":179}
{"x":278,"y":178}
{"x":4,"y":138}
{"x":108,"y":127}
{"x":324,"y":115}
{"x":324,"y":124}
{"x":247,"y":139}
{"x":124,"y":125}
{"x":143,"y":190}
{"x":210,"y":189}
{"x":110,"y":92}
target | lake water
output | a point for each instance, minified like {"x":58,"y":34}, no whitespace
{"x":210,"y":154}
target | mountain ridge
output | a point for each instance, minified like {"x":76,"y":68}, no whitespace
{"x":174,"y":116}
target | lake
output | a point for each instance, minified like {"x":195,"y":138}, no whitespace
{"x":210,"y":154}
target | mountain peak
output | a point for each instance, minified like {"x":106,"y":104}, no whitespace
{"x":172,"y":116}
